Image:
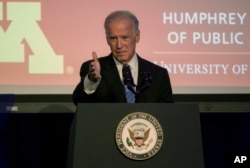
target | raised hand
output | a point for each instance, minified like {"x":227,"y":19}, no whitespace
{"x":94,"y":69}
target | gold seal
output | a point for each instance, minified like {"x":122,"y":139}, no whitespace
{"x":139,"y":136}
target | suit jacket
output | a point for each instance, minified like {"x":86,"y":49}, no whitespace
{"x":111,"y":88}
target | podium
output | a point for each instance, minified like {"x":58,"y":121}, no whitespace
{"x":94,"y":142}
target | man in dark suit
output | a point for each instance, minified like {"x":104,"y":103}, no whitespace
{"x":102,"y":79}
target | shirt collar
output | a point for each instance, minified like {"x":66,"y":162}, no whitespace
{"x":133,"y":63}
{"x":133,"y":66}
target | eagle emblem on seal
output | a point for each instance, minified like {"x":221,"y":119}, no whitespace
{"x":139,"y":134}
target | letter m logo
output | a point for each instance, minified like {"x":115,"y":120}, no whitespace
{"x":23,"y":17}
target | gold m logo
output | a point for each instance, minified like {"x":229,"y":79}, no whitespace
{"x":23,"y":17}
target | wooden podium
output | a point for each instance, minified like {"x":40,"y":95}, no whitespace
{"x":93,"y":143}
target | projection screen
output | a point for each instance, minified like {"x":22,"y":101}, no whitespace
{"x":204,"y":45}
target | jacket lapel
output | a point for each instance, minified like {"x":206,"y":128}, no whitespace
{"x":113,"y":78}
{"x":141,"y":68}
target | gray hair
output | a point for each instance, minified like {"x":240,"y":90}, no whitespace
{"x":121,"y":14}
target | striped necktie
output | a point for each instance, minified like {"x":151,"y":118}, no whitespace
{"x":128,"y":84}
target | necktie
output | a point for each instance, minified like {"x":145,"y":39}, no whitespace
{"x":128,"y":84}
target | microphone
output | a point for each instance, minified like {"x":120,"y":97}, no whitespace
{"x":127,"y":78}
{"x":146,"y":81}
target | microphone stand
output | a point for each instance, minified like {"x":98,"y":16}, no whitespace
{"x":146,"y":81}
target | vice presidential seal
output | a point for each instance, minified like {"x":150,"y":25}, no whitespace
{"x":139,"y":136}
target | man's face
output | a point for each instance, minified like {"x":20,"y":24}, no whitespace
{"x":122,"y":39}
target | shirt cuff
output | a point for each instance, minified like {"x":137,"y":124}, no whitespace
{"x":89,"y":86}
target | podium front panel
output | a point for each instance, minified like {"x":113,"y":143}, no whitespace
{"x":95,"y":143}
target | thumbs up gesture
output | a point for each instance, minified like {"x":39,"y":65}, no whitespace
{"x":94,"y":69}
